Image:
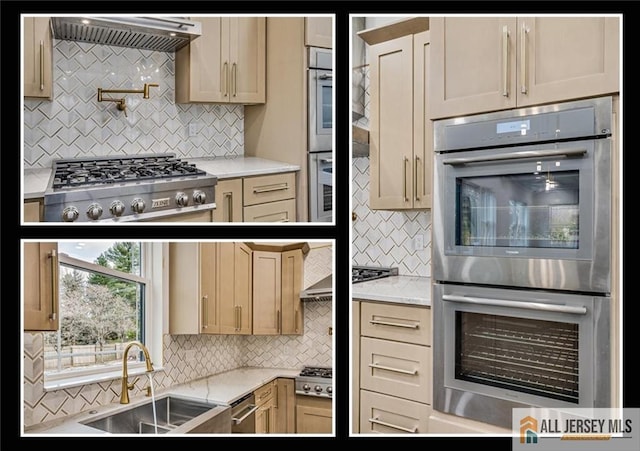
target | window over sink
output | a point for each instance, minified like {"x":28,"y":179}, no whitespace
{"x":105,"y":303}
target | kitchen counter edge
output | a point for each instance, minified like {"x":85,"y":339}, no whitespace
{"x":409,"y":290}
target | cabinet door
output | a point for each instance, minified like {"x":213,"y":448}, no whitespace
{"x":210,"y":322}
{"x":422,"y":164}
{"x":472,"y":65}
{"x":553,"y":64}
{"x":243,"y":280}
{"x":38,"y":58}
{"x":355,"y":366}
{"x":40,"y":286}
{"x":292,"y":277}
{"x":267,"y":293}
{"x":229,"y":310}
{"x":318,"y":32}
{"x":391,"y":131}
{"x":383,"y":414}
{"x":247,"y":65}
{"x":281,"y":211}
{"x":201,"y":67}
{"x":313,"y":415}
{"x":228,"y":201}
{"x":285,"y":406}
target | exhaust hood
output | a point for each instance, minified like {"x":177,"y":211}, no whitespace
{"x":319,"y":291}
{"x":164,"y":34}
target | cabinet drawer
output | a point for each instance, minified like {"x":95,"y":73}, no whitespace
{"x":264,"y":393}
{"x":383,"y":414}
{"x":396,"y":322}
{"x":398,"y":369}
{"x":281,"y":211}
{"x":269,"y":188}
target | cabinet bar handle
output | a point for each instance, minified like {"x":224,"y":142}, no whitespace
{"x":295,"y":320}
{"x":235,"y":317}
{"x":393,"y":426}
{"x":252,"y":408}
{"x":229,"y":197}
{"x":41,"y":65}
{"x":279,"y":322}
{"x":395,"y":370}
{"x":234,"y":72}
{"x":376,"y":322}
{"x":205,"y":311}
{"x":225,"y":74}
{"x":523,"y":59}
{"x":269,"y":188}
{"x":404,"y":178}
{"x":505,"y":61}
{"x":239,"y":317}
{"x":415,"y":177}
{"x":54,"y":284}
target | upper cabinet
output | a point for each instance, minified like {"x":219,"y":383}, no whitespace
{"x":226,"y":64}
{"x":400,"y":134}
{"x":41,"y":287}
{"x":38,"y":58}
{"x":483,"y":64}
{"x":318,"y":32}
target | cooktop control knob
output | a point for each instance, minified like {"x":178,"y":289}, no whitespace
{"x":116,"y":208}
{"x":199,"y":197}
{"x":70,"y":214}
{"x":317,"y":388}
{"x":329,"y":390}
{"x":94,"y":211}
{"x":182,"y":200}
{"x":306,"y":387}
{"x":137,"y":205}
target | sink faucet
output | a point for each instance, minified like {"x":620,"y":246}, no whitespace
{"x":126,"y":386}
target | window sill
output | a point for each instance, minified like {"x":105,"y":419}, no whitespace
{"x":84,"y":379}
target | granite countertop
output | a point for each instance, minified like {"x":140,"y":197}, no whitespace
{"x":397,"y":289}
{"x":36,"y":181}
{"x":221,"y":389}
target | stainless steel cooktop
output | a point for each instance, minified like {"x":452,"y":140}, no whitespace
{"x":366,"y":273}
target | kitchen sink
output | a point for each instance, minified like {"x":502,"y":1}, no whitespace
{"x":173,"y":414}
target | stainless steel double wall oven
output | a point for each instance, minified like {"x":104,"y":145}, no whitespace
{"x":522,"y":260}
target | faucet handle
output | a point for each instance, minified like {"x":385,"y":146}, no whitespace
{"x":133,"y":384}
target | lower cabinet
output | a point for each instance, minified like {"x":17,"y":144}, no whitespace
{"x":442,"y":423}
{"x":386,"y":414}
{"x":314,"y":415}
{"x":265,"y":401}
{"x":270,"y":198}
{"x":33,"y":211}
{"x":228,"y":201}
{"x":285,"y":406}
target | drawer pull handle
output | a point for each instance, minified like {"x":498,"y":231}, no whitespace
{"x":393,"y":426}
{"x":269,"y":188}
{"x":376,"y":322}
{"x":396,"y":370}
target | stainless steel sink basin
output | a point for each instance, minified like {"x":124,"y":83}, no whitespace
{"x":173,"y":415}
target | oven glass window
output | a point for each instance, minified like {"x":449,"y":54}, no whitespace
{"x":326,"y":106}
{"x":534,"y":210}
{"x":526,"y":355}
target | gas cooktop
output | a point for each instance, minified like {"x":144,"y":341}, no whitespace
{"x":315,"y":381}
{"x":366,"y":273}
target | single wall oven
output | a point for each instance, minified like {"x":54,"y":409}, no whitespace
{"x":522,"y":260}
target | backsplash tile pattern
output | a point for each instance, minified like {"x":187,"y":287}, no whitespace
{"x":74,"y":124}
{"x":213,"y":354}
{"x":386,"y":238}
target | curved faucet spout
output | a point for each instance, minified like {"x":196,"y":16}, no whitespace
{"x":126,"y":386}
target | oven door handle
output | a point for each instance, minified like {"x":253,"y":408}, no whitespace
{"x":516,"y":304}
{"x":517,"y":156}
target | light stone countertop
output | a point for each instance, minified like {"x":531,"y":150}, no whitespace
{"x":36,"y":181}
{"x":221,"y":389}
{"x":397,"y":289}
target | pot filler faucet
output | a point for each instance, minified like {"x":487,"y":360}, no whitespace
{"x":120,"y":103}
{"x":126,"y":386}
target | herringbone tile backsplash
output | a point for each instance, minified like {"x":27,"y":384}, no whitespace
{"x":75,"y":125}
{"x":213,"y":354}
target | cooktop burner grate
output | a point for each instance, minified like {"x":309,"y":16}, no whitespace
{"x":366,"y":273}
{"x":313,"y":371}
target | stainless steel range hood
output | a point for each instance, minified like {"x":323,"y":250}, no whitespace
{"x":164,"y":34}
{"x":319,"y":291}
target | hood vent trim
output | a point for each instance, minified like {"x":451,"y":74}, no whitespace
{"x":319,"y":291}
{"x":164,"y":34}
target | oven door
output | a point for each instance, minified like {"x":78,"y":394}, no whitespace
{"x":320,"y":110}
{"x":496,"y":349}
{"x":531,"y":216}
{"x":321,"y":186}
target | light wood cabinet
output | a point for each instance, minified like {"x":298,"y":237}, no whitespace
{"x":226,"y":64}
{"x":270,"y":198}
{"x":33,"y":210}
{"x":210,"y":288}
{"x":228,"y":201}
{"x":41,"y":312}
{"x":277,"y":282}
{"x":483,"y":64}
{"x":285,"y":406}
{"x":355,"y":366}
{"x":318,"y":32}
{"x":266,"y":415}
{"x":38,"y":58}
{"x":401,"y":150}
{"x":394,"y":374}
{"x":441,"y":423}
{"x":314,"y":415}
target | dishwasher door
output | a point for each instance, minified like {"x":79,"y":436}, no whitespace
{"x":243,"y":415}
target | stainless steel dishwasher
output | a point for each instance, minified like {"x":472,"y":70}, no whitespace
{"x":243,"y":415}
